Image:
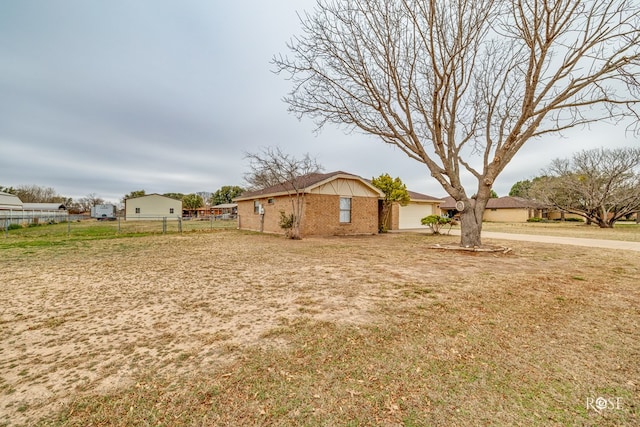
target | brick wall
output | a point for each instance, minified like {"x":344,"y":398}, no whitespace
{"x":321,"y":215}
{"x":270,"y":223}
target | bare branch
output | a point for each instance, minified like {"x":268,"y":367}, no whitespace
{"x":451,"y":81}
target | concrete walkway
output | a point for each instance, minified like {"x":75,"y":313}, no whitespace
{"x":559,"y":240}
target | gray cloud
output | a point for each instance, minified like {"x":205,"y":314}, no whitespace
{"x":107,"y":97}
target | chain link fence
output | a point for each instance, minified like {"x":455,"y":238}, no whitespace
{"x":61,"y":224}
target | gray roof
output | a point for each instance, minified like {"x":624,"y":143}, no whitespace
{"x":9,"y":201}
{"x":307,"y":183}
{"x":423,"y":197}
{"x":43,"y":206}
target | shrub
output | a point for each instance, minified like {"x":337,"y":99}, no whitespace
{"x":435,"y":222}
{"x":286,"y":223}
{"x":574,"y":219}
{"x":14,"y":226}
{"x":535,"y":219}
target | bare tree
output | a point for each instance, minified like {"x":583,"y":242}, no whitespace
{"x":601,"y":185}
{"x":38,"y":194}
{"x":462,"y":85}
{"x":85,"y":204}
{"x":273,"y":168}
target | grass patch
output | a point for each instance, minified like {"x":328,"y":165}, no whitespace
{"x":64,"y":234}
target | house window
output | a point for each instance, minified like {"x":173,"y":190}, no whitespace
{"x":345,"y":209}
{"x":271,"y":201}
{"x":256,"y":206}
{"x":170,"y":210}
{"x":137,"y":210}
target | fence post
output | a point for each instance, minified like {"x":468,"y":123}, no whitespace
{"x":164,"y":225}
{"x":68,"y":225}
{"x":119,"y":225}
{"x":180,"y":225}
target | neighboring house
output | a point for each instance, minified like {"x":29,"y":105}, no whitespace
{"x":336,"y":203}
{"x":225,"y":210}
{"x":9,"y":202}
{"x":512,"y":209}
{"x":410,"y":216}
{"x":14,"y":211}
{"x":152,"y":207}
{"x":501,"y":209}
{"x":44,"y":207}
{"x":448,"y":207}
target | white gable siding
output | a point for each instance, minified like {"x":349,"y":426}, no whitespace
{"x":344,"y":187}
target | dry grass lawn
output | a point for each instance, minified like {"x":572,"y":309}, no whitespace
{"x":233,"y":328}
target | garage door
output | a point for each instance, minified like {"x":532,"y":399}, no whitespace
{"x":411,"y":214}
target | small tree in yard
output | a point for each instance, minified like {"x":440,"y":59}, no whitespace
{"x":462,"y":85}
{"x":192,"y":201}
{"x":133,"y":194}
{"x":272,"y":167}
{"x":394,"y":192}
{"x":226,"y":194}
{"x":436,"y":222}
{"x":601,"y":185}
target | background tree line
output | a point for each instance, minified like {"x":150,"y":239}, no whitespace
{"x":601,"y":185}
{"x":42,"y":194}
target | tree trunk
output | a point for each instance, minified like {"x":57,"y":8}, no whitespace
{"x":471,"y":226}
{"x":386,"y":215}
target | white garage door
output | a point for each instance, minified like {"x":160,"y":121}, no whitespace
{"x":411,"y":215}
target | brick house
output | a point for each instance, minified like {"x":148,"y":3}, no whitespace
{"x":335,"y":204}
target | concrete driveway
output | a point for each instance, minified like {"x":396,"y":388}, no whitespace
{"x":593,"y":243}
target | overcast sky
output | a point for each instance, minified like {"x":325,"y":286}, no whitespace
{"x":107,"y":97}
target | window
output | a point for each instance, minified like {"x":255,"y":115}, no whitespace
{"x":137,"y":210}
{"x":271,"y":201}
{"x":345,"y":210}
{"x":256,"y":206}
{"x":170,"y":210}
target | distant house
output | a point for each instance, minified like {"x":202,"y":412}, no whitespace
{"x":410,"y":216}
{"x":13,"y":210}
{"x":512,"y":209}
{"x":152,"y":207}
{"x":336,"y":203}
{"x":225,"y":210}
{"x":9,"y":202}
{"x":44,"y":207}
{"x":501,"y":209}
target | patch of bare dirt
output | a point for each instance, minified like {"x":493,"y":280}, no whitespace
{"x":92,"y":317}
